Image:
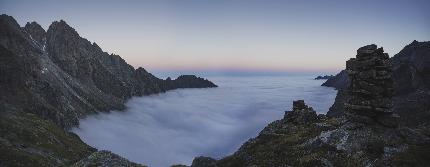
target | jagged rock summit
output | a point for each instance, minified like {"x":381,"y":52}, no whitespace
{"x":36,"y":31}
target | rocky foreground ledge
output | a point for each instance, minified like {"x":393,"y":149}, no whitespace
{"x":304,"y":138}
{"x":366,"y":131}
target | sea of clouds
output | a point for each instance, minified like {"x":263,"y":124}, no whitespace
{"x":174,"y":127}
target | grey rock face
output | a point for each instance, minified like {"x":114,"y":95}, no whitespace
{"x":338,"y":107}
{"x":36,"y":32}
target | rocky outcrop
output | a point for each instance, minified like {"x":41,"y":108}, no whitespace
{"x":58,"y":76}
{"x":339,"y":81}
{"x":323,"y":77}
{"x":203,"y":162}
{"x":301,"y":114}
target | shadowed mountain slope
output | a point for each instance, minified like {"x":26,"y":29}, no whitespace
{"x":50,"y":79}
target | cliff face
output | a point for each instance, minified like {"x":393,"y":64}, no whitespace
{"x":364,"y":133}
{"x":58,"y":77}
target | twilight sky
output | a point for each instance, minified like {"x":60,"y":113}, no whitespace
{"x":247,"y":35}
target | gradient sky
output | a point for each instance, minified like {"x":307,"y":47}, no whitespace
{"x":292,"y":36}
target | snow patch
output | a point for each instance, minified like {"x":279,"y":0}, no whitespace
{"x":342,"y":142}
{"x":44,"y":70}
{"x":325,"y":135}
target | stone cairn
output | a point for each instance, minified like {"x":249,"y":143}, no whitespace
{"x":371,"y":87}
{"x":301,"y":114}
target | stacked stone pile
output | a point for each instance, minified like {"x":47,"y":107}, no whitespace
{"x":301,"y":114}
{"x":371,"y":86}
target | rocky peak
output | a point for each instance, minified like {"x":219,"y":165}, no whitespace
{"x":13,"y":38}
{"x":60,"y":24}
{"x":36,"y":32}
{"x":9,"y":20}
{"x":371,"y":86}
{"x":301,"y":114}
{"x":68,"y":50}
{"x":60,"y":29}
{"x":97,"y":47}
{"x":417,"y":54}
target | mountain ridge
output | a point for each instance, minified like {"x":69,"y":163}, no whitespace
{"x":57,"y":77}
